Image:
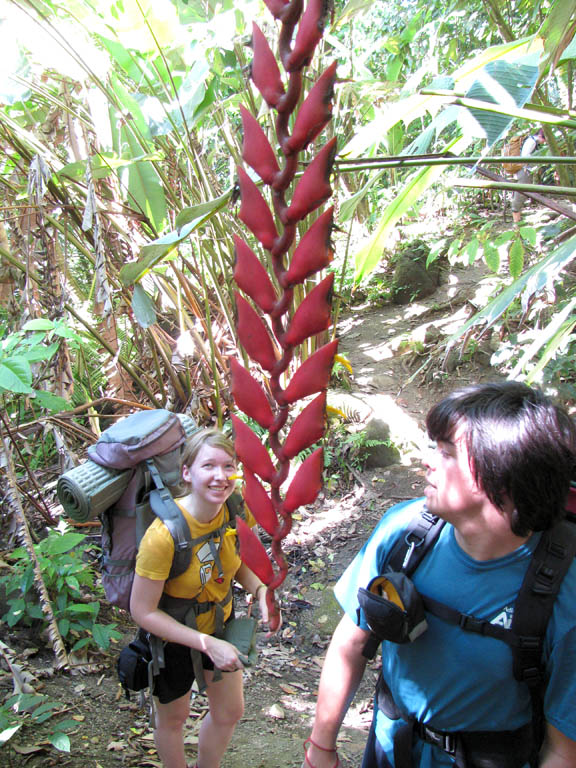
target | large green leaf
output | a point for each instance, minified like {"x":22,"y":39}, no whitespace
{"x":103,"y":165}
{"x":60,"y":741}
{"x":143,"y":307}
{"x":189,"y":220}
{"x":551,"y":336}
{"x":557,"y":30}
{"x":503,"y":83}
{"x":51,"y":402}
{"x":144,"y":184}
{"x":530,"y":283}
{"x":16,"y":375}
{"x":370,"y":254}
{"x":165,"y":118}
{"x":418,"y":105}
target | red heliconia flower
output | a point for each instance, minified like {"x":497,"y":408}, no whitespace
{"x":252,"y":278}
{"x":313,"y":314}
{"x":251,"y":452}
{"x":253,"y":334}
{"x":256,"y":149}
{"x":259,"y":503}
{"x":309,"y":34}
{"x":265,"y":73}
{"x":313,"y":375}
{"x":296,"y":253}
{"x":314,"y":188}
{"x":314,"y":251}
{"x":249,"y":396}
{"x":254,"y":211}
{"x":308,"y":427}
{"x":277,"y":7}
{"x":307,"y":482}
{"x":253,"y":553}
{"x":314,"y":113}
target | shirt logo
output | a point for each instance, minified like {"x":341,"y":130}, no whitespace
{"x":504,"y":619}
{"x":204,"y":554}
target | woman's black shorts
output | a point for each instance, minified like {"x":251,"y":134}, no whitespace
{"x":178,"y":675}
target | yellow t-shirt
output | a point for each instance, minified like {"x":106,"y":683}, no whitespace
{"x":201,"y":579}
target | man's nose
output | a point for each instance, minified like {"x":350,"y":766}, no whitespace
{"x":429,"y":457}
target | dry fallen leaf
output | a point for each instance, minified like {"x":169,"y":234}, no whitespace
{"x":277,"y":712}
{"x":27,"y":750}
{"x":116,"y":746}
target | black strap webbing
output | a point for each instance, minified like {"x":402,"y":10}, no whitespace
{"x":420,"y":536}
{"x":550,"y":563}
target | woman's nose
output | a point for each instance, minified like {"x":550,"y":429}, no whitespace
{"x":220,"y":472}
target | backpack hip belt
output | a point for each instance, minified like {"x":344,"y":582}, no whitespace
{"x":185,"y":610}
{"x":468,"y":749}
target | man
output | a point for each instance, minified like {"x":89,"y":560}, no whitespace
{"x":524,"y":175}
{"x":499,"y":474}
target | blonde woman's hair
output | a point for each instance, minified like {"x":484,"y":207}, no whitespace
{"x":211,"y":437}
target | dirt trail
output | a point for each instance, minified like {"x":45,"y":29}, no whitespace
{"x":388,"y":348}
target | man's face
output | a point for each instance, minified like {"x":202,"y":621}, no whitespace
{"x":451,"y":491}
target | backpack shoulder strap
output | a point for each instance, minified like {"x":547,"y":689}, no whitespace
{"x":550,"y":563}
{"x":164,"y":507}
{"x":418,"y":538}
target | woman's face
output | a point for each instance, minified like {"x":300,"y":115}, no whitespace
{"x":209,"y":475}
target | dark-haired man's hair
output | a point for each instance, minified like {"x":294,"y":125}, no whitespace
{"x":521,"y":446}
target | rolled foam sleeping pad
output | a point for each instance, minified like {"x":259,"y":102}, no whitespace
{"x":88,"y":489}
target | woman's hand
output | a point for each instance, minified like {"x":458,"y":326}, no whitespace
{"x":224,"y":655}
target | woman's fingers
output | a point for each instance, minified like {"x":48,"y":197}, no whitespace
{"x":224,"y":655}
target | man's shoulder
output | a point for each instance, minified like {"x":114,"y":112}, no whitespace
{"x":399,"y":515}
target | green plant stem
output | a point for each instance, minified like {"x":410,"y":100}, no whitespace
{"x":511,"y":186}
{"x":416,"y":161}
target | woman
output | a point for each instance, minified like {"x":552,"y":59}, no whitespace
{"x":208,"y":466}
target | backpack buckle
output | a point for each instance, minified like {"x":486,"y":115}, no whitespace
{"x":544,"y":579}
{"x":532,"y":676}
{"x":471,"y":624}
{"x":529,"y":643}
{"x":557,"y":549}
{"x":446,"y":741}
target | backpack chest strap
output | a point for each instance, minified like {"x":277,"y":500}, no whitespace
{"x":477,"y":626}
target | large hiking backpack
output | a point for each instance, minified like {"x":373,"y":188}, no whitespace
{"x":126,"y":483}
{"x":533,"y":608}
{"x":513,"y":148}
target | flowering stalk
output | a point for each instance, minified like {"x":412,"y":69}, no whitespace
{"x":271,"y":325}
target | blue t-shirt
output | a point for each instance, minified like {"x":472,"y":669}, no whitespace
{"x":452,"y":679}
